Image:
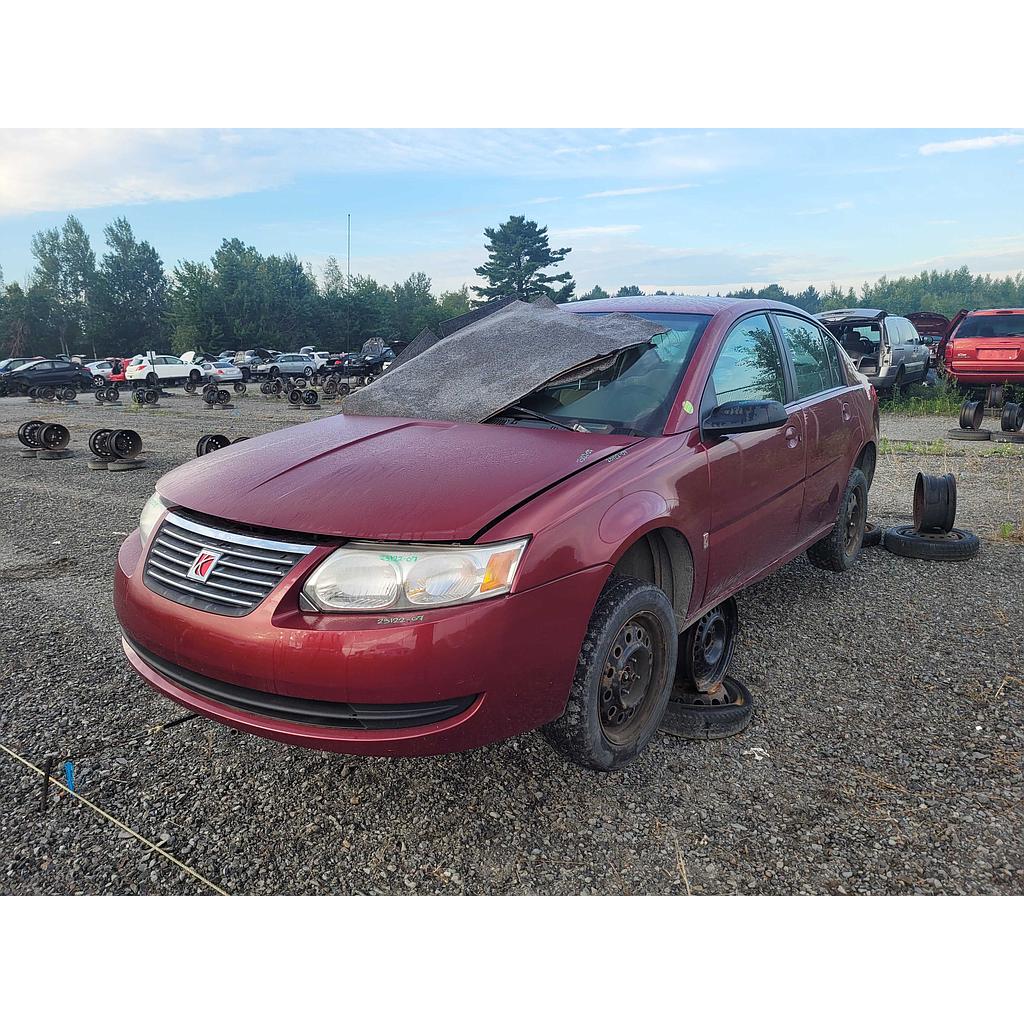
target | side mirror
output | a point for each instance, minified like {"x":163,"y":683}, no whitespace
{"x":743,"y":418}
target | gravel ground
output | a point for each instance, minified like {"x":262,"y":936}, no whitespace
{"x":885,"y":755}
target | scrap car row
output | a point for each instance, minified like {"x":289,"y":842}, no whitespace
{"x":482,"y":546}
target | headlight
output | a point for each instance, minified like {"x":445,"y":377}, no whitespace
{"x":365,"y":577}
{"x":151,"y":513}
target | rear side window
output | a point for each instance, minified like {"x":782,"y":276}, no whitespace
{"x":815,"y":369}
{"x":749,"y":366}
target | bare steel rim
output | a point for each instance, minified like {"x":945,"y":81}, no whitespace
{"x":856,"y":517}
{"x":706,"y":654}
{"x":634,"y":674}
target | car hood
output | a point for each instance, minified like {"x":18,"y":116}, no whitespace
{"x":384,"y":478}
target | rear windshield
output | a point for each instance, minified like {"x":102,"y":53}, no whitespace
{"x":631,"y":392}
{"x":857,"y":338}
{"x":1005,"y":325}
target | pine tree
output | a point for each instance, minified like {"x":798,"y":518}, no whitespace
{"x":518,"y":255}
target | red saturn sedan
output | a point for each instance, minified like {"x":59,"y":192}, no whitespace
{"x":986,"y":347}
{"x":411,"y":585}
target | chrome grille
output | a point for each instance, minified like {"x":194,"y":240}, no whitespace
{"x":248,"y":569}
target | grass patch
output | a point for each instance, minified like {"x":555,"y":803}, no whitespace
{"x":942,"y":447}
{"x":940,"y":399}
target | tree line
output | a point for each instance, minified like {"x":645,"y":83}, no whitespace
{"x":126,"y":302}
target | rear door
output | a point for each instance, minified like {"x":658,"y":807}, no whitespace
{"x":757,"y":478}
{"x":821,"y":397}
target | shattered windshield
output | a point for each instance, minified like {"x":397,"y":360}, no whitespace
{"x":629,"y":392}
{"x":1009,"y":325}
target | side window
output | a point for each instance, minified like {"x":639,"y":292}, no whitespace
{"x":749,"y":366}
{"x":814,"y":367}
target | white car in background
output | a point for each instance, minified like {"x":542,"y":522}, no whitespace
{"x":221,"y":371}
{"x":158,"y":369}
{"x":319,"y":358}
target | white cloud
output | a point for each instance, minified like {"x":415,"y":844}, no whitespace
{"x":543,"y":199}
{"x":980,"y":142}
{"x":639,"y":191}
{"x":74,"y":169}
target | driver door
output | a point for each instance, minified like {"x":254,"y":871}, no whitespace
{"x":757,"y":478}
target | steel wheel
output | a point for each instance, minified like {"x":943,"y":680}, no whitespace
{"x":706,"y":648}
{"x":636,"y":659}
{"x":856,"y":518}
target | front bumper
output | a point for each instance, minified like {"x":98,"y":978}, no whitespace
{"x":502,"y":666}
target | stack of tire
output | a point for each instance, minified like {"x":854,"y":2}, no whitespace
{"x":214,"y":396}
{"x":107,"y":393}
{"x":115,"y":450}
{"x":933,"y":536}
{"x":44,"y":440}
{"x":1011,"y":422}
{"x":146,"y":396}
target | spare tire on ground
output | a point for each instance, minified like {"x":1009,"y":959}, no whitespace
{"x":969,"y":435}
{"x":696,"y":717}
{"x":954,"y":546}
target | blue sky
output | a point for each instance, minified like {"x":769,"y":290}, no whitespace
{"x":692,"y":210}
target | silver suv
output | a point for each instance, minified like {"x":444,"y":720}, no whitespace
{"x":886,"y":349}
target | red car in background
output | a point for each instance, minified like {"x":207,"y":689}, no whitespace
{"x":985,"y":347}
{"x":394,"y":586}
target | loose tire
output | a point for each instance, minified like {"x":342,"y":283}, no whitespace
{"x":310,"y":397}
{"x":706,"y":649}
{"x":239,"y":387}
{"x":223,"y":396}
{"x":54,"y":437}
{"x":872,"y":535}
{"x":839,"y":550}
{"x":959,"y":434}
{"x":190,"y":385}
{"x":971,"y":415}
{"x":124,"y":444}
{"x":623,"y":678}
{"x":99,"y":444}
{"x":151,"y":396}
{"x":27,"y":433}
{"x":697,"y":718}
{"x":294,"y":396}
{"x":955,"y":546}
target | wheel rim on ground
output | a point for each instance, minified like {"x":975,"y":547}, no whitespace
{"x":629,"y":682}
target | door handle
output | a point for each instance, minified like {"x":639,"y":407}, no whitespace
{"x":792,"y":437}
{"x":846,"y":411}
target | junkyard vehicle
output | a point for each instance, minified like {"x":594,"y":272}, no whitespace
{"x":48,"y":373}
{"x":931,"y":328}
{"x":365,"y":365}
{"x":288,"y":364}
{"x":546,"y":545}
{"x":221,"y":371}
{"x":885,"y":348}
{"x":161,"y":369}
{"x":16,"y":362}
{"x":986,"y":347}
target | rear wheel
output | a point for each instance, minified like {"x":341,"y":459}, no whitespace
{"x":623,"y":678}
{"x":839,"y":550}
{"x":152,"y":380}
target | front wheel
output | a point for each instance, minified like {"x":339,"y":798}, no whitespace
{"x":840,"y":549}
{"x":623,"y":678}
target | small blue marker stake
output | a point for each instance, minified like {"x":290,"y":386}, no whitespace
{"x":69,"y":775}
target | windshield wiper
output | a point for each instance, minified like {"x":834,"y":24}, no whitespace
{"x":530,"y":414}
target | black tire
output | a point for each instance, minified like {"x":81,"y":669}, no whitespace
{"x":113,"y":393}
{"x":343,"y":390}
{"x":959,"y":434}
{"x":591,"y":731}
{"x":955,"y":546}
{"x":839,"y":550}
{"x":996,"y":396}
{"x":1012,"y":418}
{"x":223,"y":396}
{"x":211,"y":443}
{"x":194,"y":377}
{"x":190,"y":386}
{"x":275,"y":371}
{"x":138,"y":397}
{"x":48,"y":393}
{"x":899,"y":383}
{"x":710,"y":721}
{"x":310,"y":397}
{"x":239,"y":387}
{"x":308,"y":373}
{"x":100,"y":395}
{"x":151,"y":396}
{"x":1008,"y":437}
{"x":67,"y":394}
{"x":264,"y":387}
{"x":872,"y":535}
{"x":152,"y":379}
{"x":294,"y":396}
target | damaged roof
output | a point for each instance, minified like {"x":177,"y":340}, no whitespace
{"x":495,"y":362}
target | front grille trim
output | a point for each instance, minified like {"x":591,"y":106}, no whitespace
{"x":303,"y":710}
{"x":249,"y":569}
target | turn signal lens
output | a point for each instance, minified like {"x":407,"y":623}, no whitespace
{"x":498,"y":573}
